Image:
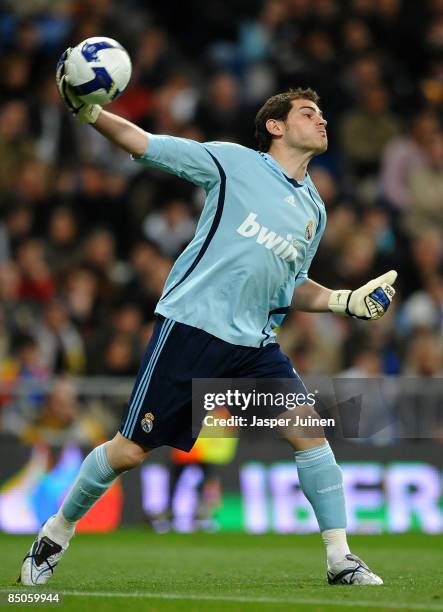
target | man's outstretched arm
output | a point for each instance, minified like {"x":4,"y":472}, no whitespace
{"x":369,"y":302}
{"x":122,"y":133}
{"x":186,"y":158}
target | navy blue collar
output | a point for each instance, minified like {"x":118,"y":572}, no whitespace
{"x":274,"y":163}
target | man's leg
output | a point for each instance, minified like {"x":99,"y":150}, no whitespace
{"x":97,"y":473}
{"x":322,"y":483}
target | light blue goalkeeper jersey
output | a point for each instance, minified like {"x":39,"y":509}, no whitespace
{"x":254,"y":242}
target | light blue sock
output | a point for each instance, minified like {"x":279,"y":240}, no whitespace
{"x":95,"y":477}
{"x":322,"y":482}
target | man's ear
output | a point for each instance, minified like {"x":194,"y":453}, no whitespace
{"x":274,"y":127}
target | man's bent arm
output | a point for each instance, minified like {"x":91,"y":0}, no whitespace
{"x":122,"y":133}
{"x":311,"y":297}
{"x":369,"y":302}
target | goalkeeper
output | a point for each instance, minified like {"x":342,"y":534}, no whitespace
{"x":226,"y":294}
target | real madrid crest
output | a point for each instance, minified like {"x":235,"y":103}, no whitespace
{"x":309,"y":231}
{"x":147,"y":422}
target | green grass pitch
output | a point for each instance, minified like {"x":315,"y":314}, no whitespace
{"x":135,"y":569}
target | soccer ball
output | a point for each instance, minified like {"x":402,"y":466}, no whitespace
{"x":98,"y":70}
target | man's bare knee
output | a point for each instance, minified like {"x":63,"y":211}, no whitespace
{"x":124,"y":454}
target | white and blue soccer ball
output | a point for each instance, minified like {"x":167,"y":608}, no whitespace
{"x":98,"y":70}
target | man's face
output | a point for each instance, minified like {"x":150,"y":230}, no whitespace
{"x":305,"y":127}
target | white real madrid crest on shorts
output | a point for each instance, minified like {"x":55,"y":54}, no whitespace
{"x":147,"y":422}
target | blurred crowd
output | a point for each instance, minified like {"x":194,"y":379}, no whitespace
{"x":87,"y":237}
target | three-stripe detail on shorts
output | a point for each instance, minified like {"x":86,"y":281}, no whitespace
{"x":146,"y":379}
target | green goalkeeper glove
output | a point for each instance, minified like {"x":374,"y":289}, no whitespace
{"x":86,"y":113}
{"x":369,"y":302}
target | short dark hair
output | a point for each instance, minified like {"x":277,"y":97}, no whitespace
{"x":278,"y":107}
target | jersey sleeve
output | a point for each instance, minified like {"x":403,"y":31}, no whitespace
{"x":200,"y":163}
{"x":303,"y":274}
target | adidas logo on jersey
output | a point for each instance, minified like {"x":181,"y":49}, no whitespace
{"x":282,"y":247}
{"x":290,"y":199}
